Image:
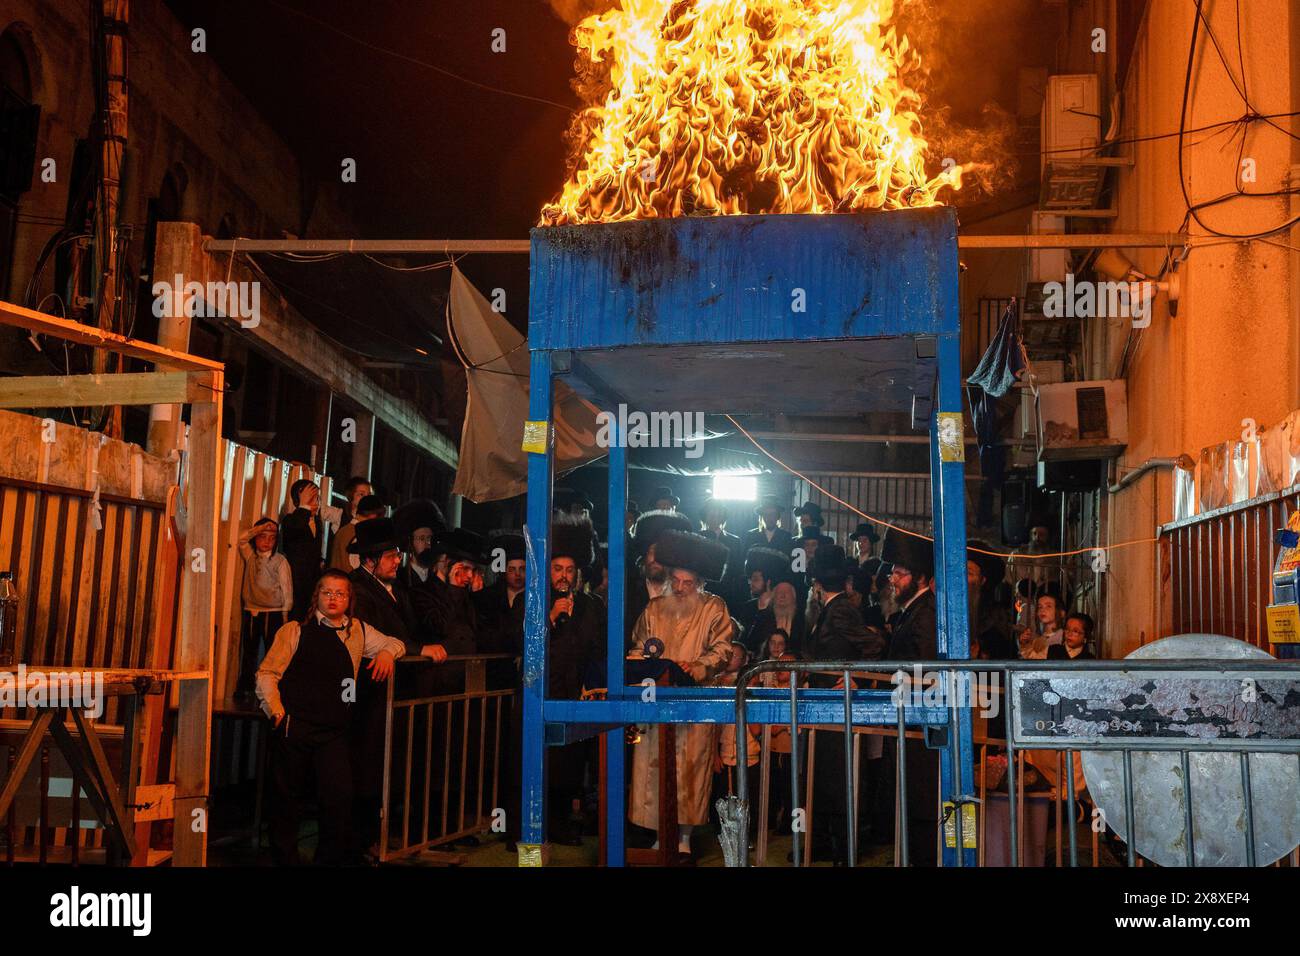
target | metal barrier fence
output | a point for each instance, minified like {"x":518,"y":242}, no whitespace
{"x":436,"y":795}
{"x":1210,"y":707}
{"x":1219,"y":566}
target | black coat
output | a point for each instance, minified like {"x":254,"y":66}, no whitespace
{"x":763,"y":625}
{"x":448,"y":616}
{"x":391,"y":614}
{"x":302,"y":550}
{"x":781,"y":541}
{"x":992,"y":629}
{"x":1057,"y":652}
{"x":733,"y":588}
{"x":574,"y":645}
{"x":915,"y":634}
{"x":841,"y":635}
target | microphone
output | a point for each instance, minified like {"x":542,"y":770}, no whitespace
{"x":562,"y":617}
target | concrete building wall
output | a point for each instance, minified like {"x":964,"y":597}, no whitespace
{"x":183,"y":115}
{"x":1233,"y":350}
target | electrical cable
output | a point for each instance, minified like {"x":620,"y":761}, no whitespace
{"x":925,"y":537}
{"x":1193,"y":209}
{"x":410,"y":59}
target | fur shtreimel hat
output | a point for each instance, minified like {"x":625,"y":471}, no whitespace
{"x":692,"y":552}
{"x":774,"y":564}
{"x":651,"y":524}
{"x":571,"y":537}
{"x":910,"y":552}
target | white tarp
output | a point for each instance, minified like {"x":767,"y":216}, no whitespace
{"x":493,"y":464}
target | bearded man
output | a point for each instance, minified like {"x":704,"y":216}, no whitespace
{"x":696,"y":632}
{"x":915,"y":638}
{"x":653,"y":578}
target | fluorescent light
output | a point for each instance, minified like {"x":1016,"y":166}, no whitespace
{"x":735,"y":487}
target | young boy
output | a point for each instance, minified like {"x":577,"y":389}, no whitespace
{"x":267,"y":596}
{"x":307,"y":686}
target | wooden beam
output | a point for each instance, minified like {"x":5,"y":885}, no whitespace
{"x":294,"y":342}
{"x":125,"y":388}
{"x":39,"y":322}
{"x":195,"y":639}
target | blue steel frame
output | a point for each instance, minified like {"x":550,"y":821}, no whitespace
{"x":599,"y":290}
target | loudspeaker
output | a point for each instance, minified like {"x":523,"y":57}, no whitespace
{"x":1017,"y":499}
{"x":1084,"y":475}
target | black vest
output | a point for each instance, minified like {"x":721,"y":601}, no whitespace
{"x":312,"y":686}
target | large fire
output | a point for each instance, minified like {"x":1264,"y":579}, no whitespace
{"x":724,"y":107}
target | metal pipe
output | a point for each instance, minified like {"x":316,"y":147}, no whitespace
{"x":849,"y":775}
{"x":1247,"y":799}
{"x":1190,"y":841}
{"x":795,"y":856}
{"x":1069,"y":783}
{"x":1182,"y":461}
{"x":900,"y":813}
{"x":1129,"y":827}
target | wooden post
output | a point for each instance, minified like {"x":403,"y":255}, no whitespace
{"x":112,"y":123}
{"x":194,"y":650}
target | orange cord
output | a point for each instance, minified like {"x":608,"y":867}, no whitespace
{"x":926,"y":537}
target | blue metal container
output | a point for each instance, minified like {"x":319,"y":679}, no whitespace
{"x":737,"y":314}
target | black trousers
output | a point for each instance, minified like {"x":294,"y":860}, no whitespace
{"x":301,"y":754}
{"x":366,"y":740}
{"x":258,"y":629}
{"x":922,"y":797}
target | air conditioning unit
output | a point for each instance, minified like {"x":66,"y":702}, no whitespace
{"x":1047,"y":265}
{"x":1082,"y":420}
{"x":1071,"y":133}
{"x":1071,"y":117}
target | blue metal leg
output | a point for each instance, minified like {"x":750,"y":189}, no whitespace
{"x":536,"y":531}
{"x":615,"y":747}
{"x":948,"y":496}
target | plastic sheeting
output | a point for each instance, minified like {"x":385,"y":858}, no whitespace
{"x":493,"y":464}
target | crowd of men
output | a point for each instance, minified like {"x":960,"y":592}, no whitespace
{"x":321,"y":638}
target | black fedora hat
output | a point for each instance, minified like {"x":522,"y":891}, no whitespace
{"x":812,"y":510}
{"x":769,"y":501}
{"x":375,"y":537}
{"x":511,"y":542}
{"x":830,"y":568}
{"x":419,"y":513}
{"x":991,"y":566}
{"x":865,"y":530}
{"x":908,"y":551}
{"x":462,"y":545}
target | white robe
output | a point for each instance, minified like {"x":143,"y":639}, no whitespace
{"x":703,"y":644}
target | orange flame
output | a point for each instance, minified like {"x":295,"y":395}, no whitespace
{"x":725,"y":107}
